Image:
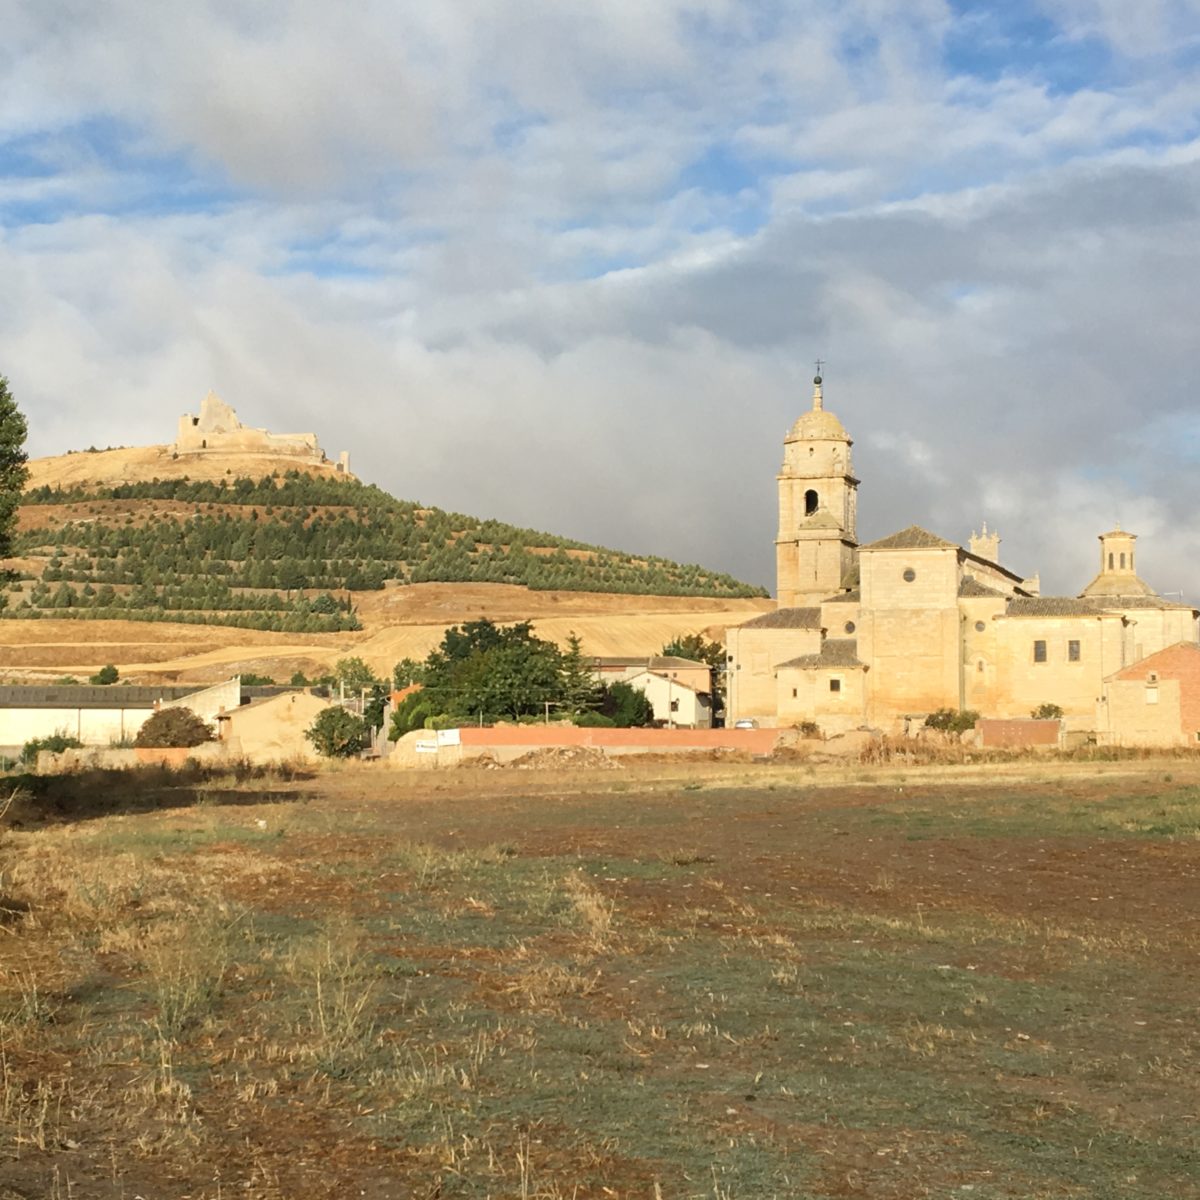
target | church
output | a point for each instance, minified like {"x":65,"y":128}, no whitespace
{"x":878,"y":635}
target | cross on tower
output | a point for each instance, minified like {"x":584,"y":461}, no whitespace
{"x":820,"y":364}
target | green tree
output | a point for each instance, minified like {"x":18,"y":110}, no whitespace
{"x":106,"y":675}
{"x":626,"y":706}
{"x":354,"y":674}
{"x":580,"y":692}
{"x":407,"y":671}
{"x":13,"y":471}
{"x":337,"y":733}
{"x":171,"y":727}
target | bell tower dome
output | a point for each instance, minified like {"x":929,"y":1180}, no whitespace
{"x":818,"y":508}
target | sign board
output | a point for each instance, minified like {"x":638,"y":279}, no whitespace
{"x":425,"y":747}
{"x":448,"y":737}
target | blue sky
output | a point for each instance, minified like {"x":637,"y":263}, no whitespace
{"x":569,"y":264}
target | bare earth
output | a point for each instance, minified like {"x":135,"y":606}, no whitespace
{"x":696,"y":981}
{"x":404,"y":622}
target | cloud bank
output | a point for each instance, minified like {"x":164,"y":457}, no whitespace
{"x":569,"y":265}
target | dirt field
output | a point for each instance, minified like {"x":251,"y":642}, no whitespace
{"x":721,"y":981}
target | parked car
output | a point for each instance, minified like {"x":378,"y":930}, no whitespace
{"x":745,"y":723}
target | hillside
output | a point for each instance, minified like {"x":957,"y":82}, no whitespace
{"x":179,"y":576}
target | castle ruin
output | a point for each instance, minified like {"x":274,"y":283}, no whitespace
{"x":217,"y":428}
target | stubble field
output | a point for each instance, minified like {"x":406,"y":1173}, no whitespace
{"x":727,"y":981}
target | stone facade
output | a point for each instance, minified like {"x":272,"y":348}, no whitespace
{"x":216,"y":428}
{"x":878,"y":634}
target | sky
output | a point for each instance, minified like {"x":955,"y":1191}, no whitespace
{"x":569,"y":264}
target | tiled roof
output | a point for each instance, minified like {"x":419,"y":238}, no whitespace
{"x":652,"y":662}
{"x":912,"y":538}
{"x":786,"y":618}
{"x":1120,"y":602}
{"x":84,"y":696}
{"x":1052,"y":606}
{"x":853,"y":576}
{"x":854,"y":596}
{"x":972,"y":589}
{"x":835,"y":652}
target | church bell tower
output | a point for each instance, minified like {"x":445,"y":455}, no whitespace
{"x":818,"y":503}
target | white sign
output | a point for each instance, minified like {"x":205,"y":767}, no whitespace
{"x":448,"y":737}
{"x":426,"y":747}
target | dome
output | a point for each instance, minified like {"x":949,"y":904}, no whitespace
{"x":817,"y":425}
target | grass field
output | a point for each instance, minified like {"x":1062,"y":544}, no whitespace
{"x":731,"y":982}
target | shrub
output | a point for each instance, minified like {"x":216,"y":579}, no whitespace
{"x":337,"y":733}
{"x":1047,"y":712}
{"x":594,"y":720}
{"x":950,"y":720}
{"x":106,"y":675}
{"x":809,"y":729}
{"x":55,"y":742}
{"x":173,"y":727}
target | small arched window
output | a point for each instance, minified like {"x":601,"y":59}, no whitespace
{"x":1122,"y":562}
{"x":811,"y":501}
{"x":1110,"y":560}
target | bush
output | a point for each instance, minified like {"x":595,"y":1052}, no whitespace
{"x":950,"y":720}
{"x":337,"y":733}
{"x":55,"y":742}
{"x":1047,"y":712}
{"x":594,"y":720}
{"x":173,"y":727}
{"x":809,"y":729}
{"x":106,"y":675}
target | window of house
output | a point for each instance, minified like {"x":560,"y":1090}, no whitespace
{"x":1073,"y":651}
{"x":1039,"y":651}
{"x":979,"y":626}
{"x":909,"y":574}
{"x":794,"y":693}
{"x":674,"y":705}
{"x":1152,"y":695}
{"x":1152,"y":677}
{"x":1122,"y":562}
{"x":835,"y":685}
{"x":849,"y":626}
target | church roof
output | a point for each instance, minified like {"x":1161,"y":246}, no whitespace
{"x":912,"y":538}
{"x":835,"y":652}
{"x":1053,"y":606}
{"x":820,"y":425}
{"x":971,"y":589}
{"x":853,"y":596}
{"x":786,"y":618}
{"x":822,"y":519}
{"x":1112,"y":584}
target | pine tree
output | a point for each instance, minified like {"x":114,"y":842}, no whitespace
{"x":13,"y":472}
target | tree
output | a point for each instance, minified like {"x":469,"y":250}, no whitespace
{"x":354,"y":674}
{"x":406,"y":671}
{"x":1047,"y":712}
{"x":13,"y":471}
{"x":626,"y":706}
{"x":337,"y":733}
{"x":580,"y":691}
{"x":105,"y":676}
{"x":171,"y":727}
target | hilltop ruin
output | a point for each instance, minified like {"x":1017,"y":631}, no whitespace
{"x":216,"y":428}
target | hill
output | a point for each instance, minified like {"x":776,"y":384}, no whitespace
{"x":254,"y":561}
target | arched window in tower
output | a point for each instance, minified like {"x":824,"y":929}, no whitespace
{"x":811,"y":502}
{"x":1110,"y":560}
{"x":1122,"y":562}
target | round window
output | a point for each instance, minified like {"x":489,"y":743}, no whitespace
{"x":849,"y":626}
{"x":979,"y":626}
{"x":909,"y":574}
